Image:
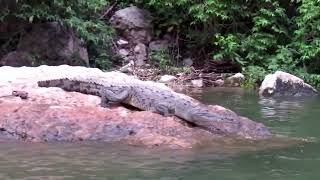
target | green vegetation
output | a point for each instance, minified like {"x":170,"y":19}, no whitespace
{"x":83,"y":16}
{"x":160,"y":58}
{"x":261,"y":36}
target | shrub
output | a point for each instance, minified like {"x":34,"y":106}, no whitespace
{"x":82,"y":16}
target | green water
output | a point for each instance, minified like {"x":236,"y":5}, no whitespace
{"x":291,"y":117}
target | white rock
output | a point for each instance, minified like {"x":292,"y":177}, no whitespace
{"x":197,"y":83}
{"x":167,"y":78}
{"x":235,"y":80}
{"x":218,"y":82}
{"x":127,"y":68}
{"x":122,"y":42}
{"x":239,"y":76}
{"x":180,"y":74}
{"x":123,"y":52}
{"x":282,"y":83}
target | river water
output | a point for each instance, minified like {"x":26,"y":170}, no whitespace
{"x":294,"y":117}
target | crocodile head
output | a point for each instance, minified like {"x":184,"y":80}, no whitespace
{"x":253,"y":130}
{"x":233,"y":125}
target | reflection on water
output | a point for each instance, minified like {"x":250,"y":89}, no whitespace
{"x":280,"y":109}
{"x":100,"y":160}
{"x":90,"y":160}
{"x":112,"y":161}
{"x":289,"y":116}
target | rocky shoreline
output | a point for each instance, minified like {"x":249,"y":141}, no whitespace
{"x":51,"y":114}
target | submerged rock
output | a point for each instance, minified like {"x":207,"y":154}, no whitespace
{"x":285,"y":84}
{"x":51,"y":114}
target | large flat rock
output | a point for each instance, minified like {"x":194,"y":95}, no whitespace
{"x":51,"y":114}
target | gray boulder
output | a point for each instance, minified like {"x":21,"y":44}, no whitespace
{"x":134,"y":24}
{"x":48,"y":43}
{"x":187,"y":61}
{"x":159,"y":45}
{"x":141,"y":54}
{"x":17,"y":59}
{"x":285,"y":84}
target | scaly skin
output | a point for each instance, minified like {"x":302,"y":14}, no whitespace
{"x":150,"y":98}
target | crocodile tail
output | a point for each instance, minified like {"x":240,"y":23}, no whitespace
{"x":51,"y":83}
{"x":66,"y":84}
{"x":85,"y":87}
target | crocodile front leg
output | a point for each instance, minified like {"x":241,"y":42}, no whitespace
{"x":109,"y":97}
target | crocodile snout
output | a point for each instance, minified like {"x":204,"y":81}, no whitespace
{"x":263,"y":130}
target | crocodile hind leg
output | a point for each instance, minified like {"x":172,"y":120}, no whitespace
{"x":109,"y":98}
{"x":164,"y":110}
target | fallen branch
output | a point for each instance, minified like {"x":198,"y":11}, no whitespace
{"x":108,"y":10}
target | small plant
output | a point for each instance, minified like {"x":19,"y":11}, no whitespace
{"x":160,"y":58}
{"x":254,"y":76}
{"x":103,"y":62}
{"x":34,"y":59}
{"x":313,"y":79}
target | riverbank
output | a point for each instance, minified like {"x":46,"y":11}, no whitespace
{"x":51,"y":114}
{"x":184,"y":79}
{"x":234,"y":160}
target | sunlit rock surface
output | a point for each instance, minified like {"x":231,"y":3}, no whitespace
{"x":51,"y":114}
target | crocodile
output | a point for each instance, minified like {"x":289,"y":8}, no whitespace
{"x":149,"y":97}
